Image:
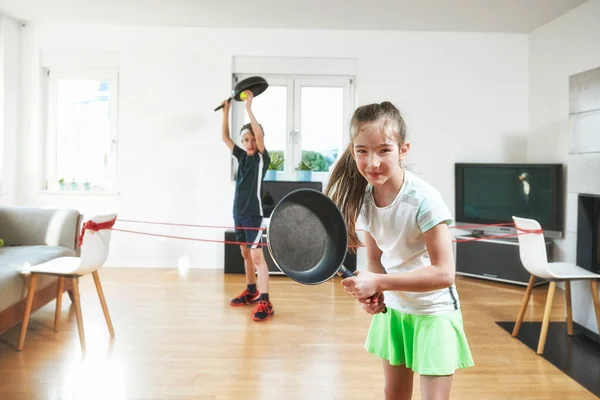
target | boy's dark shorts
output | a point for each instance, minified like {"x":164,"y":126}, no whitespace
{"x":253,"y":237}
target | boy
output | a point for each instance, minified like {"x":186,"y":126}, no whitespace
{"x":253,"y":162}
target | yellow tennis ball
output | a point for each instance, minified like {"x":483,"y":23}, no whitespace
{"x":243,"y":96}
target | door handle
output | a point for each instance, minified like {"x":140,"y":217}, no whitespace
{"x":290,"y":136}
{"x":296,"y":133}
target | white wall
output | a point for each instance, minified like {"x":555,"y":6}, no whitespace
{"x":10,"y":95}
{"x":464,"y":97}
{"x":567,"y":46}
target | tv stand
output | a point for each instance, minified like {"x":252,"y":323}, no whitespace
{"x":495,"y":259}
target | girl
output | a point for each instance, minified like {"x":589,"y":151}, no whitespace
{"x":410,"y":260}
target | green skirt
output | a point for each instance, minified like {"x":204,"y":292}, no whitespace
{"x":427,"y":344}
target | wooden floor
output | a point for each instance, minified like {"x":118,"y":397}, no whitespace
{"x":177,"y":338}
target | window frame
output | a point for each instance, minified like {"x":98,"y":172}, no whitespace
{"x":294,"y":83}
{"x":346,"y":83}
{"x":53,"y":75}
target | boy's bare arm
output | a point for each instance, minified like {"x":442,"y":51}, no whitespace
{"x":256,"y":129}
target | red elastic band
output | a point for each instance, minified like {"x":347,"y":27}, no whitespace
{"x":538,"y":231}
{"x":93,"y":226}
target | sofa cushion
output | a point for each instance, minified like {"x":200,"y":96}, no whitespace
{"x":12,"y":261}
{"x":30,"y":226}
{"x":14,"y":257}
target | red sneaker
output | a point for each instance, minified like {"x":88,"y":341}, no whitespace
{"x":263,"y":311}
{"x":245,"y":298}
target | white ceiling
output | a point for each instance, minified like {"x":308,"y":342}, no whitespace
{"x":441,"y":15}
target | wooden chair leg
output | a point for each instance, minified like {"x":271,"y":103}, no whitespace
{"x":103,"y":303}
{"x":569,"y":308}
{"x":595,"y":296}
{"x":546,"y":321}
{"x":59,"y":293}
{"x":28,"y":305}
{"x":77,"y":304}
{"x":524,"y":304}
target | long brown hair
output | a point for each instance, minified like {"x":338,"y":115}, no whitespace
{"x":346,"y":185}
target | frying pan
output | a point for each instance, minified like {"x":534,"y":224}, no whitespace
{"x":255,"y":84}
{"x":307,"y":237}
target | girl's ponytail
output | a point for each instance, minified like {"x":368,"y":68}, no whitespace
{"x":346,"y":187}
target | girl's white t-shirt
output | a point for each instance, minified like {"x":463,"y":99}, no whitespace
{"x":398,"y":231}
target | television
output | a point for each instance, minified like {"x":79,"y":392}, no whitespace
{"x":490,"y":194}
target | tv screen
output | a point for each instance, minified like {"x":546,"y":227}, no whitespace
{"x":493,"y":193}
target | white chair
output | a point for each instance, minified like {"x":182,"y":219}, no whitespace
{"x":94,"y":242}
{"x":532,"y":251}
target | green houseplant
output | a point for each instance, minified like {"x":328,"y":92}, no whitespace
{"x":304,"y":171}
{"x":275,"y":165}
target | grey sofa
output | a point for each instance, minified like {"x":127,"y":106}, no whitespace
{"x":32,"y":235}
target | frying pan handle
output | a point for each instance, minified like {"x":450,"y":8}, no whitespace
{"x":345,"y":273}
{"x":221,"y":106}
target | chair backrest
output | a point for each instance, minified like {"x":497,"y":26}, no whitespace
{"x":95,"y":245}
{"x":532,"y":247}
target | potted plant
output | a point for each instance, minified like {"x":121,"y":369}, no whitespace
{"x":304,"y":171}
{"x":274,"y":166}
{"x":61,"y":183}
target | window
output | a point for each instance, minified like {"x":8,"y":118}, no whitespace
{"x":82,"y":130}
{"x":305,"y":119}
